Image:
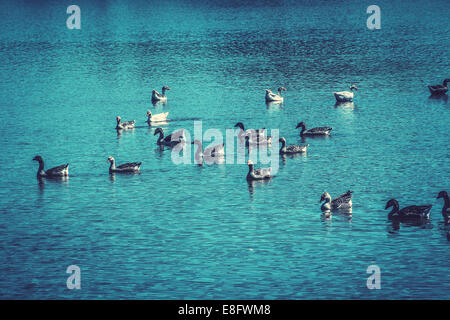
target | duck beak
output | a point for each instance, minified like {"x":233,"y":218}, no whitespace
{"x":387,"y":206}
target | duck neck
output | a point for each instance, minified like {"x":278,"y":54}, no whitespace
{"x":250,"y":170}
{"x":112,"y":165}
{"x":279,"y":92}
{"x":302,"y":130}
{"x":41,"y":171}
{"x":446,"y":202}
{"x":161,"y":137}
{"x":149,"y":118}
{"x":283,"y":146}
{"x":163,"y":90}
{"x":394,"y":210}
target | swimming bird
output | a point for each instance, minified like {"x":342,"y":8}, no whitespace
{"x":60,"y":171}
{"x":210,"y":154}
{"x":292,"y":148}
{"x":439,"y":88}
{"x":125,"y":168}
{"x":410,"y":212}
{"x":344,"y":201}
{"x":156,"y":96}
{"x":258,"y":174}
{"x":446,"y":207}
{"x":343,"y":96}
{"x":160,"y":117}
{"x":318,"y":131}
{"x":255,"y":136}
{"x":124,"y":125}
{"x":171,"y":140}
{"x":272,"y":97}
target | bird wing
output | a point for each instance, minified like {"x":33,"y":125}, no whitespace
{"x":129,"y":165}
{"x":57,"y":170}
{"x":412,"y":211}
{"x":343,"y":198}
{"x":319,"y":129}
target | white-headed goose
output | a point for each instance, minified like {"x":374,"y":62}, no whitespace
{"x":252,"y":136}
{"x":152,"y":118}
{"x":344,"y":96}
{"x":125,"y":168}
{"x":60,"y":171}
{"x":258,"y":174}
{"x":344,"y":201}
{"x":272,"y":97}
{"x":212,"y":154}
{"x":124,"y":125}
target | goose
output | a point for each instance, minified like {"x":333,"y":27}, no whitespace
{"x":124,"y":125}
{"x":171,"y":140}
{"x":160,"y":117}
{"x":292,"y":148}
{"x":318,"y":131}
{"x":258,"y":174}
{"x":410,"y":212}
{"x":272,"y":97}
{"x":439,"y":88}
{"x":126,"y":167}
{"x":259,"y":133}
{"x":344,"y":201}
{"x":344,"y":96}
{"x":210,"y":154}
{"x":60,"y":171}
{"x":446,"y":207}
{"x":156,"y":96}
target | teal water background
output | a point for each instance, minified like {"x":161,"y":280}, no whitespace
{"x":189,"y":232}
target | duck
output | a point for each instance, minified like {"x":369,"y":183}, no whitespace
{"x":410,"y":212}
{"x":171,"y":140}
{"x":210,"y":154}
{"x":160,"y":117}
{"x":156,"y":96}
{"x":318,"y":131}
{"x":125,"y":168}
{"x":446,"y":207}
{"x":258,"y":174}
{"x":60,"y":171}
{"x":344,"y":96}
{"x":124,"y":125}
{"x":344,"y":201}
{"x":439,"y":88}
{"x":272,"y":97}
{"x":292,"y":148}
{"x":259,"y":133}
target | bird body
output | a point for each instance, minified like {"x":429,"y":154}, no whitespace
{"x":210,"y":154}
{"x":124,"y":125}
{"x":123,"y":168}
{"x":272,"y":97}
{"x":160,"y":117}
{"x":292,"y":148}
{"x":410,"y":212}
{"x":156,"y":96}
{"x":318,"y":131}
{"x":344,"y":201}
{"x":59,"y":171}
{"x":439,"y":89}
{"x":344,"y":96}
{"x":258,"y":174}
{"x":171,"y":140}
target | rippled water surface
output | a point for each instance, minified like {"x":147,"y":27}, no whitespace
{"x":190,"y":232}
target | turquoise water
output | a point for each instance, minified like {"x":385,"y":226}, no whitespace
{"x":190,"y":232}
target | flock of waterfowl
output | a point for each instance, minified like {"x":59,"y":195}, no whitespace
{"x":255,"y":138}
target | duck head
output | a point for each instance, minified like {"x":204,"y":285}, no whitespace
{"x":158,"y":130}
{"x":110,"y":159}
{"x":165,"y":88}
{"x":442,"y":194}
{"x":149,"y":113}
{"x":282,"y":89}
{"x":239,"y":125}
{"x":353,"y":87}
{"x":300,"y":125}
{"x":446,"y":81}
{"x":118,"y":119}
{"x":324,"y":197}
{"x":392,"y":203}
{"x":38,"y":159}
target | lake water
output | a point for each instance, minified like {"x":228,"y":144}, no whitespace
{"x":190,"y":232}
